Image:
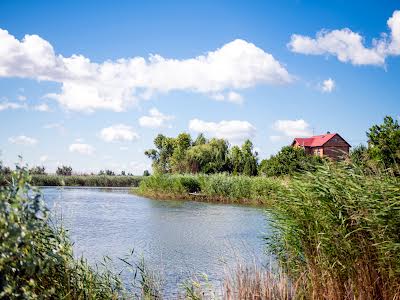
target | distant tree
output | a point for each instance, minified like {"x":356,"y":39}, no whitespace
{"x":4,"y":170}
{"x":200,"y":140}
{"x":123,"y":173}
{"x":64,"y":170}
{"x":359,"y":155}
{"x":38,"y":170}
{"x":384,"y":143}
{"x":289,"y":160}
{"x":249,"y":159}
{"x":236,"y":160}
{"x":146,"y":173}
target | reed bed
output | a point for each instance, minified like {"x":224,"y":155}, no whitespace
{"x":86,"y":180}
{"x":340,"y":229}
{"x":213,"y":188}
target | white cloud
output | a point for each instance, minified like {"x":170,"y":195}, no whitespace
{"x":115,"y":85}
{"x":155,"y":119}
{"x":118,"y":132}
{"x":21,"y":97}
{"x":348,"y":46}
{"x":81,"y":148}
{"x":232,"y":97}
{"x":235,"y":131}
{"x":235,"y":97}
{"x":137,"y":168}
{"x":43,"y":158}
{"x":123,"y":148}
{"x":42,"y":107}
{"x":291,"y":128}
{"x":11,"y":105}
{"x":328,"y":85}
{"x":23,"y":140}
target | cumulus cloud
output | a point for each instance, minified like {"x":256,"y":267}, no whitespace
{"x":11,"y":105}
{"x":291,"y":128}
{"x":328,"y":85}
{"x":42,"y":107}
{"x":118,"y":132}
{"x":43,"y":158}
{"x":21,"y":97}
{"x":115,"y":85}
{"x":348,"y":46}
{"x":155,"y":119}
{"x":23,"y":140}
{"x":232,"y":97}
{"x":80,"y":148}
{"x":234,"y":131}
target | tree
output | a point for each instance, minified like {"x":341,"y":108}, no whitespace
{"x":249,"y":159}
{"x":146,"y":173}
{"x":64,"y":170}
{"x":236,"y":160}
{"x":38,"y":170}
{"x":384,"y":143}
{"x":287,"y":161}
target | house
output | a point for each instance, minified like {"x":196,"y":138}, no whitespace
{"x":330,"y":145}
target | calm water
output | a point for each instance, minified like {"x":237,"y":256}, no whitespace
{"x":179,"y":238}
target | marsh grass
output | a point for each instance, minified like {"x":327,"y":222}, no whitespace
{"x":340,"y":228}
{"x":214,"y":188}
{"x":86,"y":180}
{"x":37,"y":260}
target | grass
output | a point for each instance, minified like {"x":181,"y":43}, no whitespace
{"x":86,"y":180}
{"x":336,"y":230}
{"x":340,"y":228}
{"x":214,"y":188}
{"x":335,"y":236}
{"x":37,"y":260}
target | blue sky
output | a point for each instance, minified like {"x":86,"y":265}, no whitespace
{"x":267,"y":71}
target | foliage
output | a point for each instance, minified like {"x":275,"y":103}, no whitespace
{"x":223,"y":187}
{"x":288,"y":161}
{"x":146,"y":173}
{"x":384,"y":143}
{"x":38,"y":170}
{"x":107,"y":172}
{"x":86,"y":180}
{"x":339,"y":228}
{"x":37,"y":259}
{"x":64,"y":170}
{"x":183,"y":155}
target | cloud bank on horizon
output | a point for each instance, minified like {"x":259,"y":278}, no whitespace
{"x":116,"y":85}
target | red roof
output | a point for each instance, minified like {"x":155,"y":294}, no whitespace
{"x":314,"y":141}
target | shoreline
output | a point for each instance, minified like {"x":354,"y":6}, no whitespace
{"x":200,"y":198}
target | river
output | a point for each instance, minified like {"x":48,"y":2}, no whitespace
{"x":179,"y":239}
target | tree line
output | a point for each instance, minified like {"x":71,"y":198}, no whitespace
{"x":182,"y":154}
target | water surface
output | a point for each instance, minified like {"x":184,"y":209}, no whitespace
{"x":178,"y":238}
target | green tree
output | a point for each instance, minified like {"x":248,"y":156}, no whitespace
{"x":289,"y":160}
{"x":249,"y":159}
{"x":64,"y":170}
{"x":236,"y":160}
{"x":384,"y":143}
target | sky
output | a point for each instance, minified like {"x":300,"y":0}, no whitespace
{"x":91,"y":83}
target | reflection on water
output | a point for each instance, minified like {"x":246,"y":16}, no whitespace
{"x":179,"y":238}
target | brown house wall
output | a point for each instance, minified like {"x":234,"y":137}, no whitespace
{"x":336,"y":148}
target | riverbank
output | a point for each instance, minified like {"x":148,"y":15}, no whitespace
{"x":84,"y":180}
{"x":335,"y":235}
{"x":220,"y":188}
